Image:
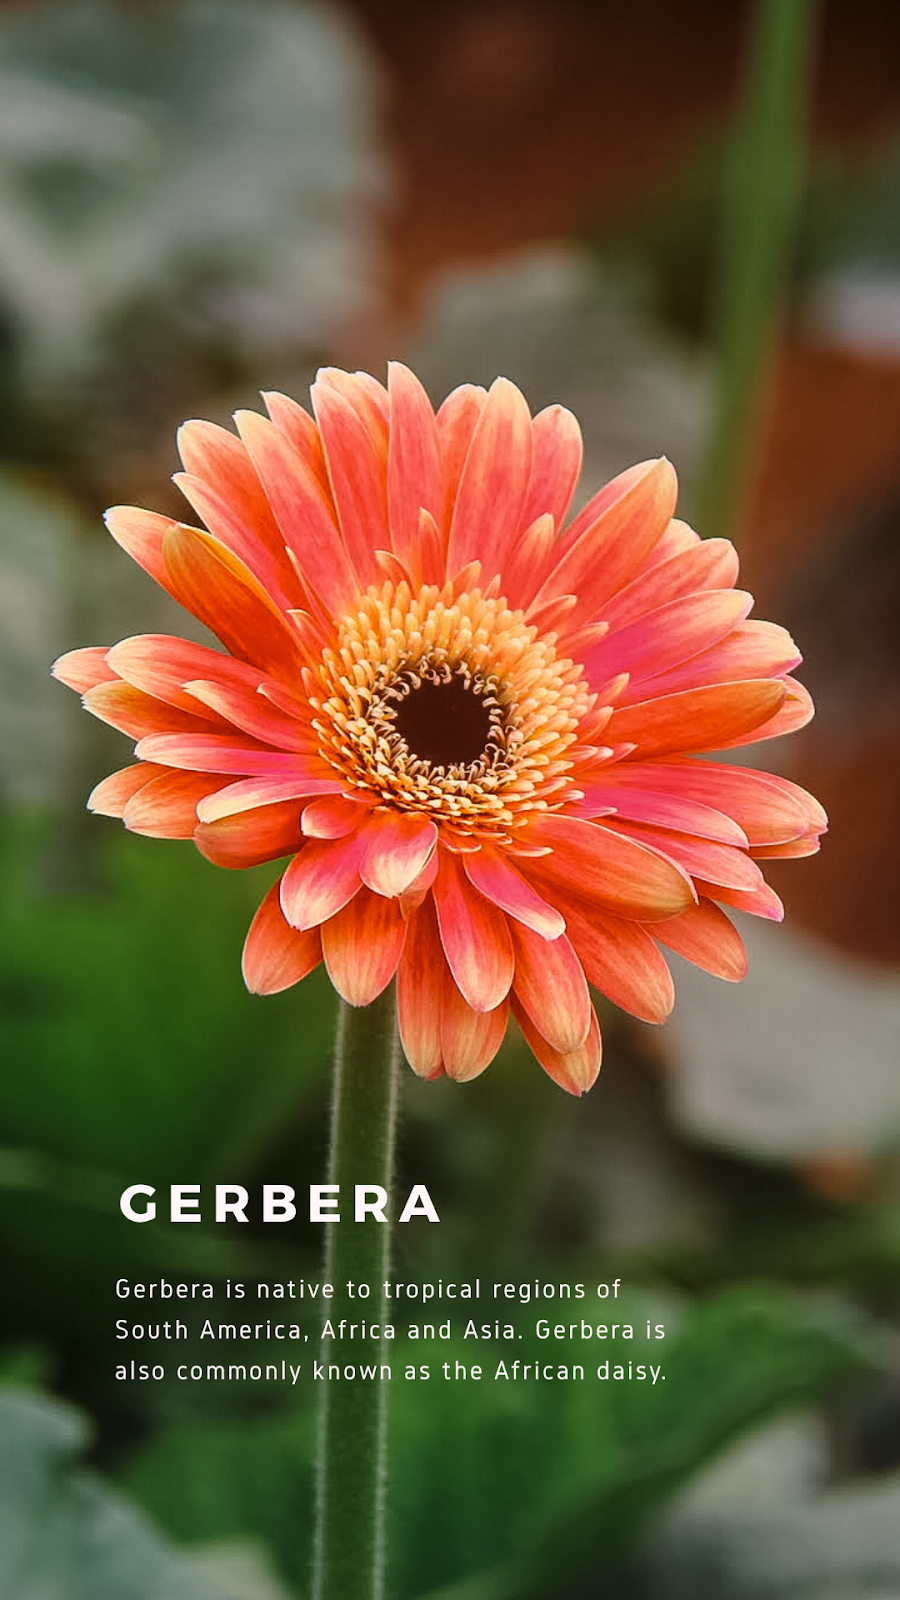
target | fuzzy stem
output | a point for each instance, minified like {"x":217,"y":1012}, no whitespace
{"x":351,"y":1469}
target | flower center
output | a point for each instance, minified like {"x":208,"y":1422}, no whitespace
{"x":449,"y":705}
{"x":444,"y":720}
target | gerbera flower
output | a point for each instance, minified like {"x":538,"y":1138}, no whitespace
{"x":474,"y":730}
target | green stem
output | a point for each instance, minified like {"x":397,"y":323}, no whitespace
{"x":764,"y":172}
{"x":351,"y":1479}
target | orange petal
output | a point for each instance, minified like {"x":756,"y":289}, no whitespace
{"x":639,"y":803}
{"x":609,"y":550}
{"x":795,"y":712}
{"x":213,"y":752}
{"x":496,"y":878}
{"x":475,"y":938}
{"x":575,"y":1072}
{"x":140,"y":534}
{"x":271,"y":567}
{"x":768,"y":808}
{"x":301,"y":510}
{"x":321,"y":880}
{"x":210,"y":582}
{"x":357,"y":472}
{"x":333,"y":817}
{"x":419,"y":989}
{"x":456,"y":421}
{"x":250,"y":838}
{"x":551,"y":987}
{"x":591,"y":861}
{"x":84,"y":669}
{"x":708,"y":718}
{"x":110,"y":797}
{"x":761,"y":902}
{"x":493,"y":484}
{"x":397,"y":847}
{"x":705,"y":936}
{"x":362,"y":946}
{"x":469,"y":1039}
{"x":414,"y":476}
{"x":668,"y":636}
{"x":275,"y":954}
{"x":166,"y":808}
{"x":622,"y":961}
{"x":702,"y":858}
{"x":161,"y":665}
{"x":250,"y":711}
{"x":138,"y":714}
{"x":711,"y":564}
{"x":556,"y":455}
{"x":249,"y":793}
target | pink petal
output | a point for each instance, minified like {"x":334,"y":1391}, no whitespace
{"x":752,"y":650}
{"x":707,"y":937}
{"x":110,"y":797}
{"x":551,"y":987}
{"x":321,"y":880}
{"x":671,"y":634}
{"x":250,"y":711}
{"x":575,"y":1072}
{"x":456,"y":421}
{"x":708,"y":718}
{"x":214,"y":458}
{"x":493,"y":484}
{"x":629,"y":791}
{"x":302,"y":511}
{"x":362,"y":946}
{"x":475,"y":938}
{"x":496,"y":878}
{"x":622,"y":961}
{"x":249,"y":793}
{"x":712,"y":564}
{"x":769,"y":809}
{"x":213,"y":752}
{"x":610,"y":549}
{"x":166,"y":808}
{"x":414,"y":476}
{"x":333,"y":817}
{"x":302,"y":435}
{"x":469,"y":1039}
{"x":397,"y":847}
{"x":357,"y":471}
{"x":247,"y":839}
{"x":276,"y":955}
{"x":84,"y":669}
{"x":419,"y":990}
{"x":702,"y":858}
{"x":527,"y":563}
{"x":161,"y":665}
{"x":556,"y":454}
{"x":138,"y":714}
{"x":590,"y":861}
{"x":761,"y":902}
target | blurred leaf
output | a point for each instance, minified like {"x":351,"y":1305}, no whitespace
{"x":67,"y":1535}
{"x":512,"y":1490}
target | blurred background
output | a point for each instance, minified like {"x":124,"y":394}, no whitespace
{"x":684,"y":223}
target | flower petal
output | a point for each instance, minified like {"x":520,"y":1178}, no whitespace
{"x":333,"y":817}
{"x":110,"y":797}
{"x":622,"y":961}
{"x":668,"y":636}
{"x":456,"y":421}
{"x":575,"y":1072}
{"x":475,"y":938}
{"x":214,"y":752}
{"x":705,"y":936}
{"x":357,"y":472}
{"x":250,"y":711}
{"x":414,"y":477}
{"x":702,"y":858}
{"x":249,"y":793}
{"x":420,"y":981}
{"x":275,"y":954}
{"x":469,"y":1039}
{"x":638,"y":801}
{"x":84,"y":669}
{"x":551,"y":988}
{"x":397,"y":847}
{"x":497,"y":879}
{"x":166,"y":808}
{"x":362,"y":946}
{"x":138,"y":714}
{"x":711,"y":564}
{"x":249,"y":838}
{"x":769,"y":809}
{"x":322,"y":878}
{"x":589,"y":860}
{"x":708,"y":718}
{"x":556,"y":455}
{"x":210,"y":582}
{"x":493,"y":484}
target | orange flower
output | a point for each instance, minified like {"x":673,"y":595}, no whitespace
{"x":474,"y":735}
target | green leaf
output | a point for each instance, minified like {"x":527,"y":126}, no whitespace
{"x":65,"y":1534}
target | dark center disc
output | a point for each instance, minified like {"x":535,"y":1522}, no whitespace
{"x":444,"y":723}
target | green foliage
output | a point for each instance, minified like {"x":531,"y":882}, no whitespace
{"x":514,"y":1489}
{"x":65,"y":1534}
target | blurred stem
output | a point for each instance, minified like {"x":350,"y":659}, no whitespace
{"x":351,"y":1466}
{"x":764,"y":171}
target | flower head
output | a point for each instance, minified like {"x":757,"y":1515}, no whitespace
{"x":478,"y":733}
